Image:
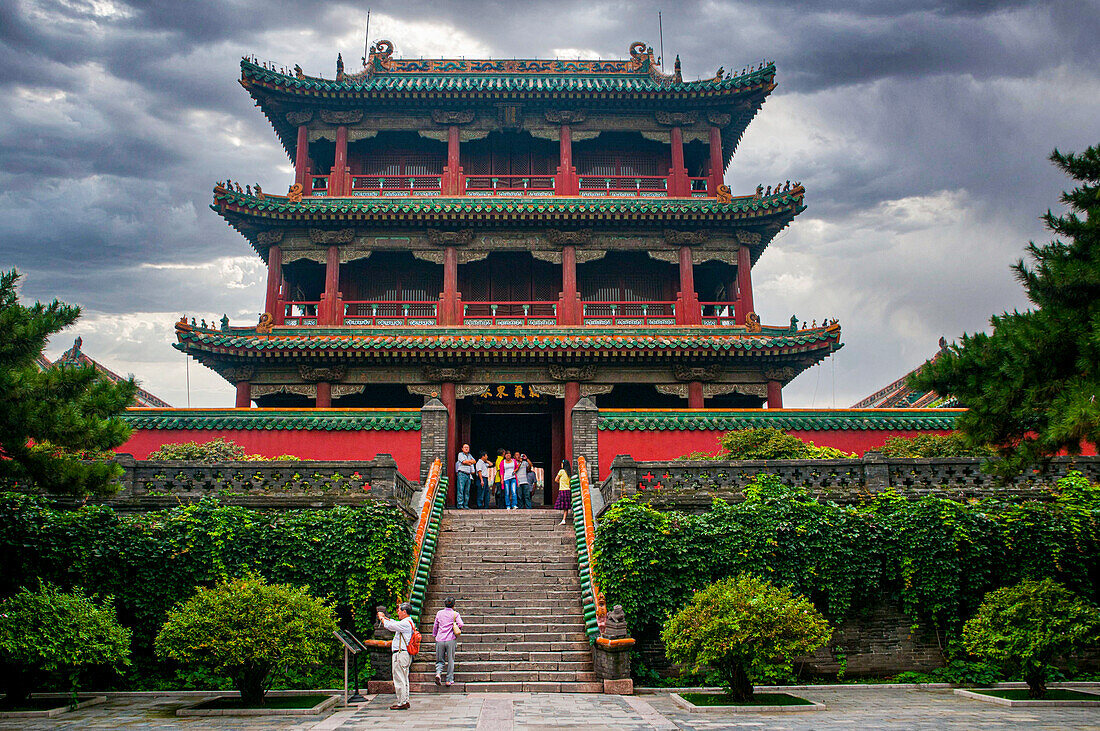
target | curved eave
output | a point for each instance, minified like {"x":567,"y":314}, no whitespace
{"x":800,"y":349}
{"x":249,"y":214}
{"x":274,"y":92}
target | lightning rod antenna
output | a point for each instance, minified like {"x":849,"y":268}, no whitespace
{"x":661,"y":34}
{"x":366,"y":37}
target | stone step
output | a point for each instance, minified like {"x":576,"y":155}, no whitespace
{"x":484,"y":666}
{"x":508,"y":637}
{"x":483,"y":593}
{"x":480,"y":653}
{"x":527,"y":687}
{"x":511,"y":676}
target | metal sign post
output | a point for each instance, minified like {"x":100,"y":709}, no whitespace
{"x":352,"y":646}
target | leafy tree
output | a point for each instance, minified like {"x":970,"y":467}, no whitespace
{"x":250,"y":631}
{"x":1028,"y":625}
{"x":48,"y":632}
{"x":743,"y":625}
{"x":1030,"y":386}
{"x":50,"y":420}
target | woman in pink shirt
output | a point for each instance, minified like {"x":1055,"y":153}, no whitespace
{"x":447,"y":626}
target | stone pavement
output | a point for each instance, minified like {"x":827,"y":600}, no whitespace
{"x":859,"y":708}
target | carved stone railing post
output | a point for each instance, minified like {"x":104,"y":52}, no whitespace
{"x":876,"y":472}
{"x":624,"y":477}
{"x":383,"y":476}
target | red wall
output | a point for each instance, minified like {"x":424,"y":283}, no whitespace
{"x":662,"y":445}
{"x":313,"y":444}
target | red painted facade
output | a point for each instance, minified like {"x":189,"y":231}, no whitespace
{"x":307,"y":444}
{"x":662,"y":445}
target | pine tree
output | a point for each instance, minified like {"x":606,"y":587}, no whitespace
{"x":1031,"y":385}
{"x":52,"y":420}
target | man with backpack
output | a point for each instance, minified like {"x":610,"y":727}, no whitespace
{"x":405,"y":645}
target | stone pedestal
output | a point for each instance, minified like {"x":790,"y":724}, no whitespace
{"x":380,"y":658}
{"x":612,"y":664}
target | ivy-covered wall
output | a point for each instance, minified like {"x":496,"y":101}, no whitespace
{"x":932,"y":558}
{"x":358,"y":556}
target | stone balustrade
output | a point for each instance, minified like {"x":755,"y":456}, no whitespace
{"x":152,"y":485}
{"x":686,"y":484}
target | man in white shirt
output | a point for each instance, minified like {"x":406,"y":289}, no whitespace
{"x":402,"y":633}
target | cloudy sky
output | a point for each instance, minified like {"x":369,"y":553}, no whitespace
{"x":920,"y":130}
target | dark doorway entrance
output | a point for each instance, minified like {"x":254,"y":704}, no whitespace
{"x":528,"y":431}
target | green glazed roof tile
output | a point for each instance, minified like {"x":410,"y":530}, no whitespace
{"x":276,"y":419}
{"x":796,"y":419}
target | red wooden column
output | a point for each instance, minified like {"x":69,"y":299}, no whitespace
{"x":301,"y":159}
{"x":330,"y":308}
{"x":447,"y":396}
{"x":244,"y":395}
{"x":572,"y":396}
{"x":324,"y":395}
{"x":775,"y":395}
{"x":274,"y":280}
{"x":678,"y":179}
{"x":449,"y":315}
{"x":338,"y":179}
{"x":568,"y":314}
{"x":567,"y":183}
{"x":716,"y":171}
{"x":695,"y":395}
{"x":689,"y":313}
{"x":452,"y":177}
{"x":743,"y":306}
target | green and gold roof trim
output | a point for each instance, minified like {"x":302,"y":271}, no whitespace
{"x":384,"y":74}
{"x":652,"y":341}
{"x":276,"y":419}
{"x":786,"y":203}
{"x":794,"y":419}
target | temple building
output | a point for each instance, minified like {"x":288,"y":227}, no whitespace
{"x":75,"y":356}
{"x":512,"y":236}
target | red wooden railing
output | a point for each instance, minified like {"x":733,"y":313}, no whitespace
{"x":620,"y":185}
{"x":628,"y":313}
{"x":390,"y":313}
{"x":718,"y":313}
{"x":700,"y":187}
{"x":510,"y":313}
{"x":318,"y":185}
{"x":300,"y":313}
{"x":509,"y":185}
{"x":396,"y":185}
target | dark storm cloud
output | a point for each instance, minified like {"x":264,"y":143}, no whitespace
{"x":919,"y":128}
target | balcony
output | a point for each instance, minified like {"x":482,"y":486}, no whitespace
{"x":412,"y":314}
{"x":505,"y":186}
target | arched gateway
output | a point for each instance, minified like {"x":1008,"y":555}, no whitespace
{"x":512,"y":235}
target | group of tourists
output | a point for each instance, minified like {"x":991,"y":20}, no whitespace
{"x":510,"y":479}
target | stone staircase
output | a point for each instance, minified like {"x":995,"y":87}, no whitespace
{"x":513,"y":574}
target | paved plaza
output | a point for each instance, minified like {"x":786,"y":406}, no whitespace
{"x":849,"y":707}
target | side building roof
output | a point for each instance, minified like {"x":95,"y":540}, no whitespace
{"x":899,"y":395}
{"x":76,"y":356}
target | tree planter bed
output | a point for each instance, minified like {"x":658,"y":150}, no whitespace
{"x":761,"y":703}
{"x":290,"y":704}
{"x":48,"y":705}
{"x":1017,"y":698}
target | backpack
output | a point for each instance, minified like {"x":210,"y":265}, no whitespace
{"x":413,"y":645}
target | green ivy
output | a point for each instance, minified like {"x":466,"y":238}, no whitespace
{"x":357,"y":556}
{"x":935,"y":558}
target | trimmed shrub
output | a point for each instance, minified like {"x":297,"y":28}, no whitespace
{"x":52,"y":636}
{"x":250,"y":631}
{"x":215,"y":450}
{"x":769,"y":443}
{"x":1027,"y":626}
{"x":932,"y":446}
{"x":743,"y":626}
